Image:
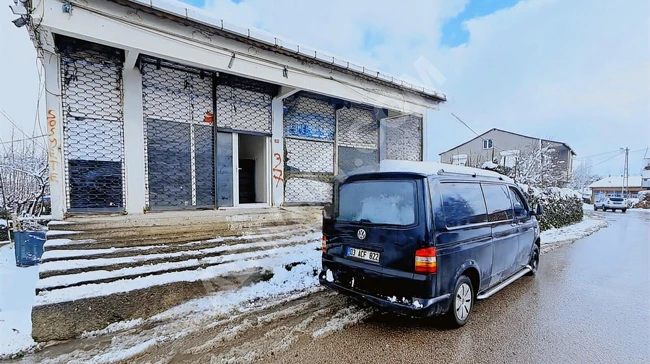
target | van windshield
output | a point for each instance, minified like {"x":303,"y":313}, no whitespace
{"x":377,"y":202}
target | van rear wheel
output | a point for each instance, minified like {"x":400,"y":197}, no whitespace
{"x":461,"y":305}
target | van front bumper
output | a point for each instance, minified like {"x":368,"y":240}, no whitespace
{"x":427,"y":306}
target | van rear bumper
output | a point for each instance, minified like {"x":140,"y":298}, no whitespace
{"x":427,"y":307}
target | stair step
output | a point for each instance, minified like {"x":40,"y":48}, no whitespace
{"x":74,"y":266}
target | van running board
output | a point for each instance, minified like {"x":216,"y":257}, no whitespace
{"x":504,"y":284}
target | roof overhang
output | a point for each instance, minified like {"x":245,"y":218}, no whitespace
{"x":185,"y":36}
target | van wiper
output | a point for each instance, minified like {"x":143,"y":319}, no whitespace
{"x":365,"y":221}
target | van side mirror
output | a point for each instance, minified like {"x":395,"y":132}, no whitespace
{"x":537,"y":211}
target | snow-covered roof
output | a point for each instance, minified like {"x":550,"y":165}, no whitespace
{"x":633,"y":181}
{"x":263,"y":38}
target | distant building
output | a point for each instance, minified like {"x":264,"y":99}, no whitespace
{"x":645,"y":174}
{"x":613,"y":187}
{"x":504,"y":147}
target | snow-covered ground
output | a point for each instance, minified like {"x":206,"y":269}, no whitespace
{"x":554,"y":238}
{"x":16,"y":300}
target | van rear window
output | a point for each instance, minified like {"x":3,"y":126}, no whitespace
{"x":378,"y":202}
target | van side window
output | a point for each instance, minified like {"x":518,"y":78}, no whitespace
{"x":498,"y":202}
{"x":518,"y":203}
{"x":463,"y":204}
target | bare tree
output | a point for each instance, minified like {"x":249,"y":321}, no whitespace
{"x":23,"y":175}
{"x":582,"y":176}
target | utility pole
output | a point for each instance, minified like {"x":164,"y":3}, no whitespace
{"x":626,"y":175}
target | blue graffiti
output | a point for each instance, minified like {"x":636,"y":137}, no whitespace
{"x":307,"y":131}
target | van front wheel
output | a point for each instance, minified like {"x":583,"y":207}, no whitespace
{"x":462,"y":302}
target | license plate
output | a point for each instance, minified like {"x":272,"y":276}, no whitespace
{"x":363,"y":254}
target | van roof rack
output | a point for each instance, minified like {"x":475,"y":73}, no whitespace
{"x":473,"y":174}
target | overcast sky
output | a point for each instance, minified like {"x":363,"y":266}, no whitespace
{"x":575,"y":71}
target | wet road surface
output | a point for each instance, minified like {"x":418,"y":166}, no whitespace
{"x":589,"y":303}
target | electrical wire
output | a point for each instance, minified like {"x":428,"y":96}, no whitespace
{"x":607,"y":160}
{"x":23,"y":140}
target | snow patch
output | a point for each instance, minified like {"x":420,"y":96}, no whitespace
{"x":99,"y":262}
{"x":280,"y":257}
{"x":61,"y":232}
{"x":554,"y":238}
{"x":112,"y":328}
{"x":344,"y":318}
{"x":16,"y":298}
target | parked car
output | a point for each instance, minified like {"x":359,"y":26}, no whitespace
{"x":427,"y":244}
{"x":611,"y":203}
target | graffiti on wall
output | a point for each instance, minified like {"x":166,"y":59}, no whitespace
{"x":277,"y":170}
{"x":53,"y":145}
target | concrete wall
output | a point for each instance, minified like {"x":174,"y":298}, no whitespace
{"x":502,"y":141}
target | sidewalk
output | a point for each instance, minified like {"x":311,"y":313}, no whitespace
{"x":555,"y":238}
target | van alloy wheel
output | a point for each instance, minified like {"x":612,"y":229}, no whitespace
{"x":462,"y":300}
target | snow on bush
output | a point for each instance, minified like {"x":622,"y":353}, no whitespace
{"x":562,"y":206}
{"x":644,"y":200}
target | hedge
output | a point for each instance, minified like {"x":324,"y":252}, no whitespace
{"x":562,"y":206}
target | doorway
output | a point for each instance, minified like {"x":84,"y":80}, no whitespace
{"x":252,"y":169}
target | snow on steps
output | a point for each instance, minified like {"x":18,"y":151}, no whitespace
{"x":149,"y":264}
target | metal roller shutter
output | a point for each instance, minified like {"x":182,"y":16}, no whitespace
{"x":93,"y":128}
{"x":357,"y":140}
{"x":403,"y":137}
{"x":309,"y":127}
{"x":178,"y":112}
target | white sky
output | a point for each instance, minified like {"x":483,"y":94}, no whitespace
{"x":576,"y":71}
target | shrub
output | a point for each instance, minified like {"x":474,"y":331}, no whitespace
{"x":562,"y":206}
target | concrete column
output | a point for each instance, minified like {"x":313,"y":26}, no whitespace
{"x":277,"y":150}
{"x":134,"y":141}
{"x":54,"y":120}
{"x":428,"y":154}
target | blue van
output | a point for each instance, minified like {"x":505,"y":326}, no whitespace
{"x":424,"y":244}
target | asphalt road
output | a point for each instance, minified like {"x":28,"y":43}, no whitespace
{"x":589,"y":303}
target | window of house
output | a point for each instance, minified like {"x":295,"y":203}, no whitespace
{"x":487,"y":143}
{"x":509,"y":158}
{"x":459,"y":160}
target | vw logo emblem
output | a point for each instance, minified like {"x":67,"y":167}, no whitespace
{"x":361,"y":234}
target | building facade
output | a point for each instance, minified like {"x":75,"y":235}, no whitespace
{"x":151,"y":106}
{"x":504,"y":148}
{"x":614,"y":187}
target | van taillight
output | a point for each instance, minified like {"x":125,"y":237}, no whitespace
{"x":324,"y":244}
{"x":425,"y":260}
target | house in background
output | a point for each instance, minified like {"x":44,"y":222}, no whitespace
{"x":504,"y":147}
{"x":613,"y":187}
{"x":645,"y":173}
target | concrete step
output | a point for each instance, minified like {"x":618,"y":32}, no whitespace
{"x":147,"y":235}
{"x":112,"y":267}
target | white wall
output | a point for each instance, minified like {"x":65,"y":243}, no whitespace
{"x":134,"y":141}
{"x":254,"y":147}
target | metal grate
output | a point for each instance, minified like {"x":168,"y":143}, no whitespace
{"x":309,"y":128}
{"x":93,"y":129}
{"x":403,"y":138}
{"x":357,"y":140}
{"x":178,"y":111}
{"x":244,"y":105}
